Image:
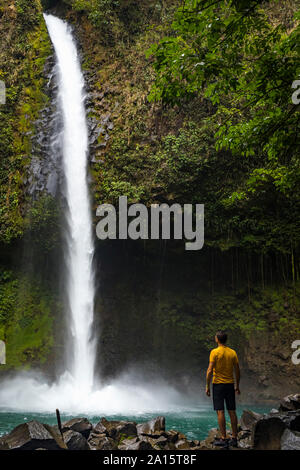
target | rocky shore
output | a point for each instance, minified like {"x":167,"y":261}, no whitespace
{"x":279,"y":429}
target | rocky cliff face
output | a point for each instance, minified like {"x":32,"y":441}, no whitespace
{"x":157,"y":306}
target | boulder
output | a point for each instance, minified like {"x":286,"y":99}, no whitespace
{"x":3,"y":446}
{"x":127,"y":429}
{"x":208,"y":442}
{"x":99,"y":428}
{"x":290,"y":403}
{"x":290,"y":440}
{"x":158,"y":443}
{"x":172,"y":435}
{"x":81,"y":425}
{"x":248,"y":419}
{"x":194,"y":443}
{"x":117,"y":429}
{"x":267,"y":432}
{"x":182,"y":444}
{"x":102,"y":442}
{"x":75,"y":441}
{"x":291,"y":419}
{"x":137,"y":445}
{"x":161,"y":442}
{"x":244,"y":440}
{"x":33,"y":435}
{"x":152,"y":427}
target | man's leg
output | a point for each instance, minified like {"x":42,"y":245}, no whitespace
{"x":234,"y":423}
{"x":218,"y":399}
{"x":222,"y":423}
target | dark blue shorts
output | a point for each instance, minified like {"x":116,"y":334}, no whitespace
{"x":221,"y":393}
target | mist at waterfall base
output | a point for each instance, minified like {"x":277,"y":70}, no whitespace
{"x":75,"y":391}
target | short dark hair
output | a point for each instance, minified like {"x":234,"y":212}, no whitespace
{"x":222,"y":336}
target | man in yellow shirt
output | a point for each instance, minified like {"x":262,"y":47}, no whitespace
{"x":223,"y":364}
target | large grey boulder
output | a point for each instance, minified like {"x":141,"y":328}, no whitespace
{"x":117,"y":429}
{"x":290,"y":440}
{"x":99,"y":428}
{"x":33,"y":435}
{"x":157,"y":443}
{"x":267,"y":432}
{"x":75,"y":441}
{"x":248,"y":419}
{"x":101,"y":442}
{"x":81,"y":425}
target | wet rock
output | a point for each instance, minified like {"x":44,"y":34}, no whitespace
{"x":244,"y":440}
{"x":182,"y":444}
{"x":172,"y":435}
{"x":291,"y":419}
{"x":194,"y":443}
{"x":248,"y":419}
{"x":152,"y":427}
{"x":208,"y":442}
{"x":267,"y":433}
{"x":75,"y":441}
{"x":33,"y":435}
{"x":119,"y":429}
{"x":137,"y":445}
{"x":102,"y":442}
{"x":161,"y":442}
{"x":51,"y":184}
{"x":290,"y":403}
{"x":157,"y":443}
{"x":81,"y":425}
{"x":127,"y":429}
{"x":3,"y":445}
{"x":290,"y":440}
{"x":99,"y":428}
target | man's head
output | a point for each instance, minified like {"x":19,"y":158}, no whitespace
{"x":221,"y":337}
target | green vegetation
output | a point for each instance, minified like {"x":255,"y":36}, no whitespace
{"x":24,"y":48}
{"x":118,"y":20}
{"x":243,"y":60}
{"x":26,"y":316}
{"x":272,"y":310}
{"x":26,"y":320}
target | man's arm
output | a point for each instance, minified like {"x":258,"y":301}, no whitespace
{"x":237,"y":377}
{"x":209,"y":374}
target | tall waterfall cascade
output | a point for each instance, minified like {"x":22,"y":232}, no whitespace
{"x":80,"y":249}
{"x":75,"y":391}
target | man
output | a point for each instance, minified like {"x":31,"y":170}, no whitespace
{"x":223,"y":364}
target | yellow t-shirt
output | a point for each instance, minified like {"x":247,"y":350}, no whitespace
{"x":224,"y":360}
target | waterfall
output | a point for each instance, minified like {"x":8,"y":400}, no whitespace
{"x":80,"y":249}
{"x":74,"y":391}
